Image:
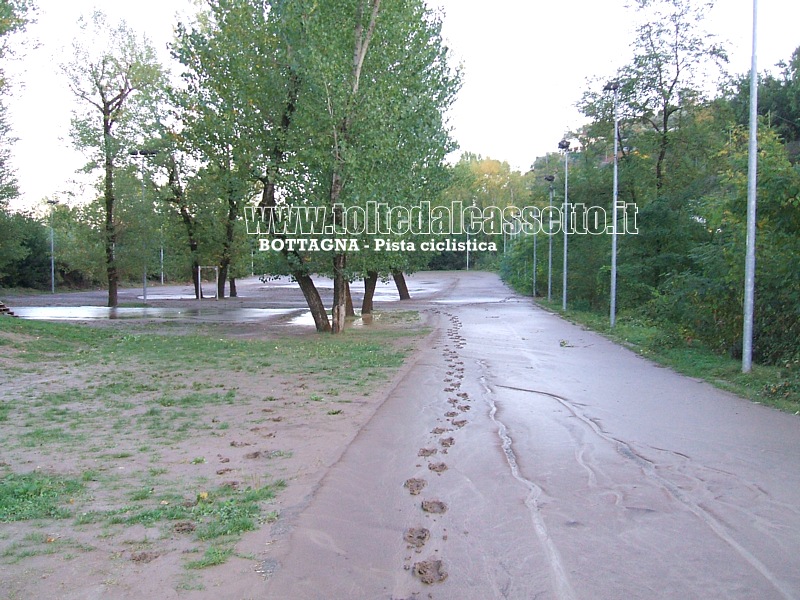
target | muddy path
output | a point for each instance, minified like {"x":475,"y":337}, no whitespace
{"x":523,"y":457}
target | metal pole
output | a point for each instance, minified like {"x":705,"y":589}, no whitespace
{"x":550,"y":179}
{"x":468,"y":251}
{"x":550,"y":249}
{"x":534,"y":263}
{"x":52,"y":203}
{"x":144,"y":246}
{"x":564,"y":145}
{"x":52,"y":259}
{"x":614,"y":85}
{"x":752,"y":172}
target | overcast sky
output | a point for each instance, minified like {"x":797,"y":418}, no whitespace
{"x":525,"y":66}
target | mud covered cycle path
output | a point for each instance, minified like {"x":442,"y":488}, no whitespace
{"x":523,"y":457}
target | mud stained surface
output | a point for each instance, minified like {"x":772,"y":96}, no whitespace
{"x":575,"y":470}
{"x":415,"y":485}
{"x":430,"y":571}
{"x":436,"y":507}
{"x":416,"y":536}
{"x":513,"y":456}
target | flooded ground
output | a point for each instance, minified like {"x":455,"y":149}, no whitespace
{"x":519,"y":456}
{"x":274,"y":301}
{"x":523,"y":457}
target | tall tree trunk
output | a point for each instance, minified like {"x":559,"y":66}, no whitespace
{"x":223,"y":277}
{"x":310,"y":293}
{"x":370,"y":282}
{"x":339,"y":292}
{"x":230,"y":232}
{"x":110,"y":227}
{"x":348,"y":301}
{"x":400,"y":282}
{"x":232,"y":285}
{"x":363,"y":37}
{"x":198,"y":289}
{"x":189,"y":223}
{"x":314,"y":302}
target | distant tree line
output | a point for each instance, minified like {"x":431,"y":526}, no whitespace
{"x":683,"y":161}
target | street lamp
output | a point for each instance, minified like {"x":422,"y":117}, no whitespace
{"x":564,"y":145}
{"x":752,"y":202}
{"x":550,"y":179}
{"x":143,"y":154}
{"x":52,"y":251}
{"x":613,"y":86}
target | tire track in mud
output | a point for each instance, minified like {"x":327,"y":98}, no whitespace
{"x":649,"y":469}
{"x":433,"y":569}
{"x":563,"y":587}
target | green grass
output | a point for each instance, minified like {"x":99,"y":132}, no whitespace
{"x":772,"y":386}
{"x":150,"y":389}
{"x":214,"y":555}
{"x":36,"y":496}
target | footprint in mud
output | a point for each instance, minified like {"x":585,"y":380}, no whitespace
{"x":440,"y":430}
{"x":427,"y":451}
{"x":436,"y":507}
{"x":449,"y":389}
{"x":437,"y":467}
{"x":451,"y":414}
{"x":447,"y":442}
{"x":453,"y":401}
{"x":463,"y":395}
{"x":460,"y":423}
{"x":415,"y":485}
{"x":463,"y":407}
{"x":416,"y":537}
{"x":430,"y":571}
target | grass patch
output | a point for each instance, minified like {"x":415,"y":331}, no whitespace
{"x":148,"y":389}
{"x":773,"y":386}
{"x":36,"y":496}
{"x":42,"y":436}
{"x":214,"y":555}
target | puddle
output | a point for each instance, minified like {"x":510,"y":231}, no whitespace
{"x":305,"y":319}
{"x":494,"y":300}
{"x":211,"y":314}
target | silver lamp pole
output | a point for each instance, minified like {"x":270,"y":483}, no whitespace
{"x":564,"y":145}
{"x":752,"y":170}
{"x":550,"y":179}
{"x":52,"y":251}
{"x":614,"y":86}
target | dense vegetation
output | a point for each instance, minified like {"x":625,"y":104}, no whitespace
{"x":683,"y":162}
{"x":295,"y":115}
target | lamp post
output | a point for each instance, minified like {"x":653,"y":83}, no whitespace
{"x":534,"y":263}
{"x":142,"y":153}
{"x":613,"y":86}
{"x":752,"y":180}
{"x":564,"y":145}
{"x":550,"y":179}
{"x":52,"y":251}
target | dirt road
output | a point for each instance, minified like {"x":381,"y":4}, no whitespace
{"x":522,"y":457}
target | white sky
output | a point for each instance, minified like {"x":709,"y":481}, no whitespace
{"x":526,"y":64}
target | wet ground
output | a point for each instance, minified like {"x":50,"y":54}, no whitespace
{"x":279,"y":301}
{"x":519,"y":456}
{"x":522,"y":457}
